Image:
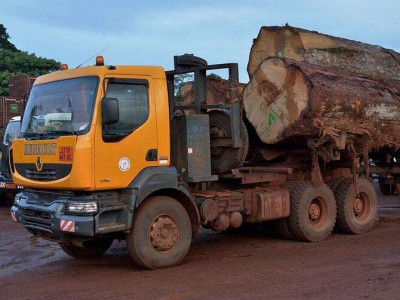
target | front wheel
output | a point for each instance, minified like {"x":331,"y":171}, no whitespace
{"x":88,"y":249}
{"x":161,"y":233}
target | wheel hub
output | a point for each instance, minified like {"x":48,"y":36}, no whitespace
{"x":164,"y":233}
{"x":315,"y":212}
{"x":358,"y":206}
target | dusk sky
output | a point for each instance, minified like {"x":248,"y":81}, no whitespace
{"x":152,"y":32}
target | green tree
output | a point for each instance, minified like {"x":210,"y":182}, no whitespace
{"x":214,"y":76}
{"x":180,"y":80}
{"x":14,"y":62}
{"x":4,"y":40}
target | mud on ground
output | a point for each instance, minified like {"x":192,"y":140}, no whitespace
{"x":255,"y":265}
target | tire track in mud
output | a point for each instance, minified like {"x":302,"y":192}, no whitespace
{"x":20,"y":251}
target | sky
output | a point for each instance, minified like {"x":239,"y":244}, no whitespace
{"x":152,"y":32}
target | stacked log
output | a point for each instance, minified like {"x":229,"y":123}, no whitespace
{"x":342,"y":55}
{"x":304,"y":84}
{"x":287,"y":98}
{"x":219,"y":91}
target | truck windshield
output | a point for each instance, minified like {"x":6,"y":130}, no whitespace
{"x":60,"y":108}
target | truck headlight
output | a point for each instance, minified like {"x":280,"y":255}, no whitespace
{"x":77,"y":207}
{"x":17,"y":199}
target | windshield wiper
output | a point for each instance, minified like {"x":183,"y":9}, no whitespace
{"x":35,"y":135}
{"x":47,"y":134}
{"x":62,"y":132}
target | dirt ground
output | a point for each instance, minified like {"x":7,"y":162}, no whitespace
{"x":256,"y":265}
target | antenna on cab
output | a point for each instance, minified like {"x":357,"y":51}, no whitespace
{"x":93,"y":56}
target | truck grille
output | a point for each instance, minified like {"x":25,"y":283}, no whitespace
{"x":45,"y":198}
{"x":42,"y":199}
{"x":35,"y":217}
{"x":44,"y":175}
{"x":49,"y":172}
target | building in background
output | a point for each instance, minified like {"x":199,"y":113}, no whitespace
{"x":13,"y":104}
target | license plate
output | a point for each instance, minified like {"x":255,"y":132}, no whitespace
{"x":65,"y":154}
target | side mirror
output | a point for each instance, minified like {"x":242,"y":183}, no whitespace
{"x":109,"y":111}
{"x":7,"y":139}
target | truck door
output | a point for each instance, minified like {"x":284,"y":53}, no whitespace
{"x":125,"y":148}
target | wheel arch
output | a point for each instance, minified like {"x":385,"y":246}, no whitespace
{"x":187,"y":202}
{"x":163,"y":181}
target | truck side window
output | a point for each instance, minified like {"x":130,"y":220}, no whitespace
{"x":133,"y":105}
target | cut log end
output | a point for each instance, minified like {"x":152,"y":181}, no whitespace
{"x":275,"y":98}
{"x":287,"y":99}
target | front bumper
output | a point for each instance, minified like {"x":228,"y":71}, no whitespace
{"x":44,"y":214}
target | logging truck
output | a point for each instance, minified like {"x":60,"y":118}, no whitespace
{"x":107,"y":152}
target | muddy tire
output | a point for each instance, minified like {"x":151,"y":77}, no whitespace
{"x":161,"y":233}
{"x":281,"y":225}
{"x":334,"y":183}
{"x":88,"y":249}
{"x":312,"y":212}
{"x":222,"y":158}
{"x":282,"y":228}
{"x":356,"y":213}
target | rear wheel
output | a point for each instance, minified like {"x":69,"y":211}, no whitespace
{"x":334,"y":183}
{"x":312,"y":212}
{"x":88,"y":249}
{"x":281,"y":225}
{"x":161,"y":233}
{"x":356,"y":212}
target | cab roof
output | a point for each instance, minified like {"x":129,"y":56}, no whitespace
{"x":104,"y":71}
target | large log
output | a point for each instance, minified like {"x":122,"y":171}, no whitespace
{"x":219,"y":91}
{"x":288,"y":99}
{"x":327,"y":51}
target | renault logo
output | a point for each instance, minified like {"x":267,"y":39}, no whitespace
{"x":39,"y":165}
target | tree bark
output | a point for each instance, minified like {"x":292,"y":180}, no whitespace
{"x":219,"y":91}
{"x":342,"y":55}
{"x":288,"y":100}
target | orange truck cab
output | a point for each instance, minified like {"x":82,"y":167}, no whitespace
{"x":94,"y":155}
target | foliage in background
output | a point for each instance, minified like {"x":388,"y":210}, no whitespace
{"x":214,"y":76}
{"x":180,"y":80}
{"x":14,"y":62}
